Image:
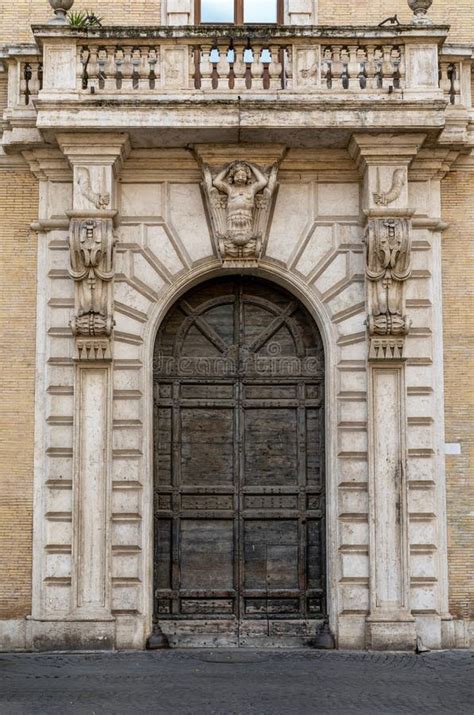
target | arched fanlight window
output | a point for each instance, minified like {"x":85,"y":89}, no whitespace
{"x":239,"y":12}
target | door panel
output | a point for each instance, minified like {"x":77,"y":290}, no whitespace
{"x":270,"y":446}
{"x":207,"y":446}
{"x":209,"y":542}
{"x":239,"y":481}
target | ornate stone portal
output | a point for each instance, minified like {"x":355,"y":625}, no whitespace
{"x":184,"y":213}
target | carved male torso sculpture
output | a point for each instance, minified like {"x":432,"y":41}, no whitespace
{"x":239,"y":201}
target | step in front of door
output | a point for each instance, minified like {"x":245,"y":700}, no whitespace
{"x":246,"y":634}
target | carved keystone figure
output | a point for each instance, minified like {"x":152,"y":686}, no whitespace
{"x":239,"y":200}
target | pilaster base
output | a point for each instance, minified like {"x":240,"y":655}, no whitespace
{"x":391,"y":635}
{"x":71,"y":635}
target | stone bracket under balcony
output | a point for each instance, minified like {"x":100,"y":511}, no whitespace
{"x":301,"y":86}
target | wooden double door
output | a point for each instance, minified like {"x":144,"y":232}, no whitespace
{"x":239,"y":497}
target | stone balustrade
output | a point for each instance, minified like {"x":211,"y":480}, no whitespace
{"x":242,"y":66}
{"x":265,"y":80}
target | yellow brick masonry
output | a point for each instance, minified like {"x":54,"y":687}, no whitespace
{"x":18,"y":208}
{"x":16,"y":16}
{"x":458,"y":298}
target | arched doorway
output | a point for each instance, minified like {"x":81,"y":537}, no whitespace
{"x":239,"y":490}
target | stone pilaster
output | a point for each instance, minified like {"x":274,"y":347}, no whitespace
{"x":96,"y":162}
{"x":383,"y":162}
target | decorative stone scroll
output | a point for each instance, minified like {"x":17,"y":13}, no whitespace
{"x":388,"y":259}
{"x":239,"y":200}
{"x":92,"y":252}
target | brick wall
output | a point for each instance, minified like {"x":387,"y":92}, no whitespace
{"x":18,"y":208}
{"x":458,"y":290}
{"x":17,"y":16}
{"x":457,"y":13}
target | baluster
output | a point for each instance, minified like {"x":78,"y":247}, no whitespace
{"x":378,"y":66}
{"x":444,"y":79}
{"x":102,"y":62}
{"x":345,"y":76}
{"x":370,"y":68}
{"x":248,"y":57}
{"x":396,"y":61}
{"x":353,"y":68}
{"x":258,"y":67}
{"x":231,"y":62}
{"x":143,"y":68}
{"x":196,"y":63}
{"x":222,"y":69}
{"x":287,"y":66}
{"x":262,"y":66}
{"x":455,"y":85}
{"x":135,"y":60}
{"x":276,"y":67}
{"x":401,"y":67}
{"x":110,"y":70}
{"x":362,"y":68}
{"x":93,"y":69}
{"x":239,"y":68}
{"x":206,"y":68}
{"x":387,"y":67}
{"x":154,"y":67}
{"x":119,"y":61}
{"x":82,"y":68}
{"x":127,"y":82}
{"x":35,"y":81}
{"x":337,"y":67}
{"x":327,"y":69}
{"x":214,"y":57}
{"x":25,"y":70}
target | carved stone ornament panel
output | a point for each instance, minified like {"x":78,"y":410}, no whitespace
{"x":239,"y":200}
{"x":98,"y":199}
{"x":385,"y":198}
{"x":92,"y":253}
{"x":388,"y":259}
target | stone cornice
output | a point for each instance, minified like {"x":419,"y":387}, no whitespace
{"x":48,"y":164}
{"x":352,"y":32}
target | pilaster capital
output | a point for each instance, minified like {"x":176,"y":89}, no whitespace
{"x":383,"y":161}
{"x":96,"y":160}
{"x":384,"y":149}
{"x":102,"y":149}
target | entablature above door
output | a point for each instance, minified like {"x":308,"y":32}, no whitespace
{"x":301,"y":86}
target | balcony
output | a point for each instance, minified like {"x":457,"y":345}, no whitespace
{"x":303,"y":86}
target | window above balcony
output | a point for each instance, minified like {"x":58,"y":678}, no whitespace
{"x":239,"y":12}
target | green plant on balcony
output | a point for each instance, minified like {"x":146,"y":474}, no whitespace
{"x":83,"y":19}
